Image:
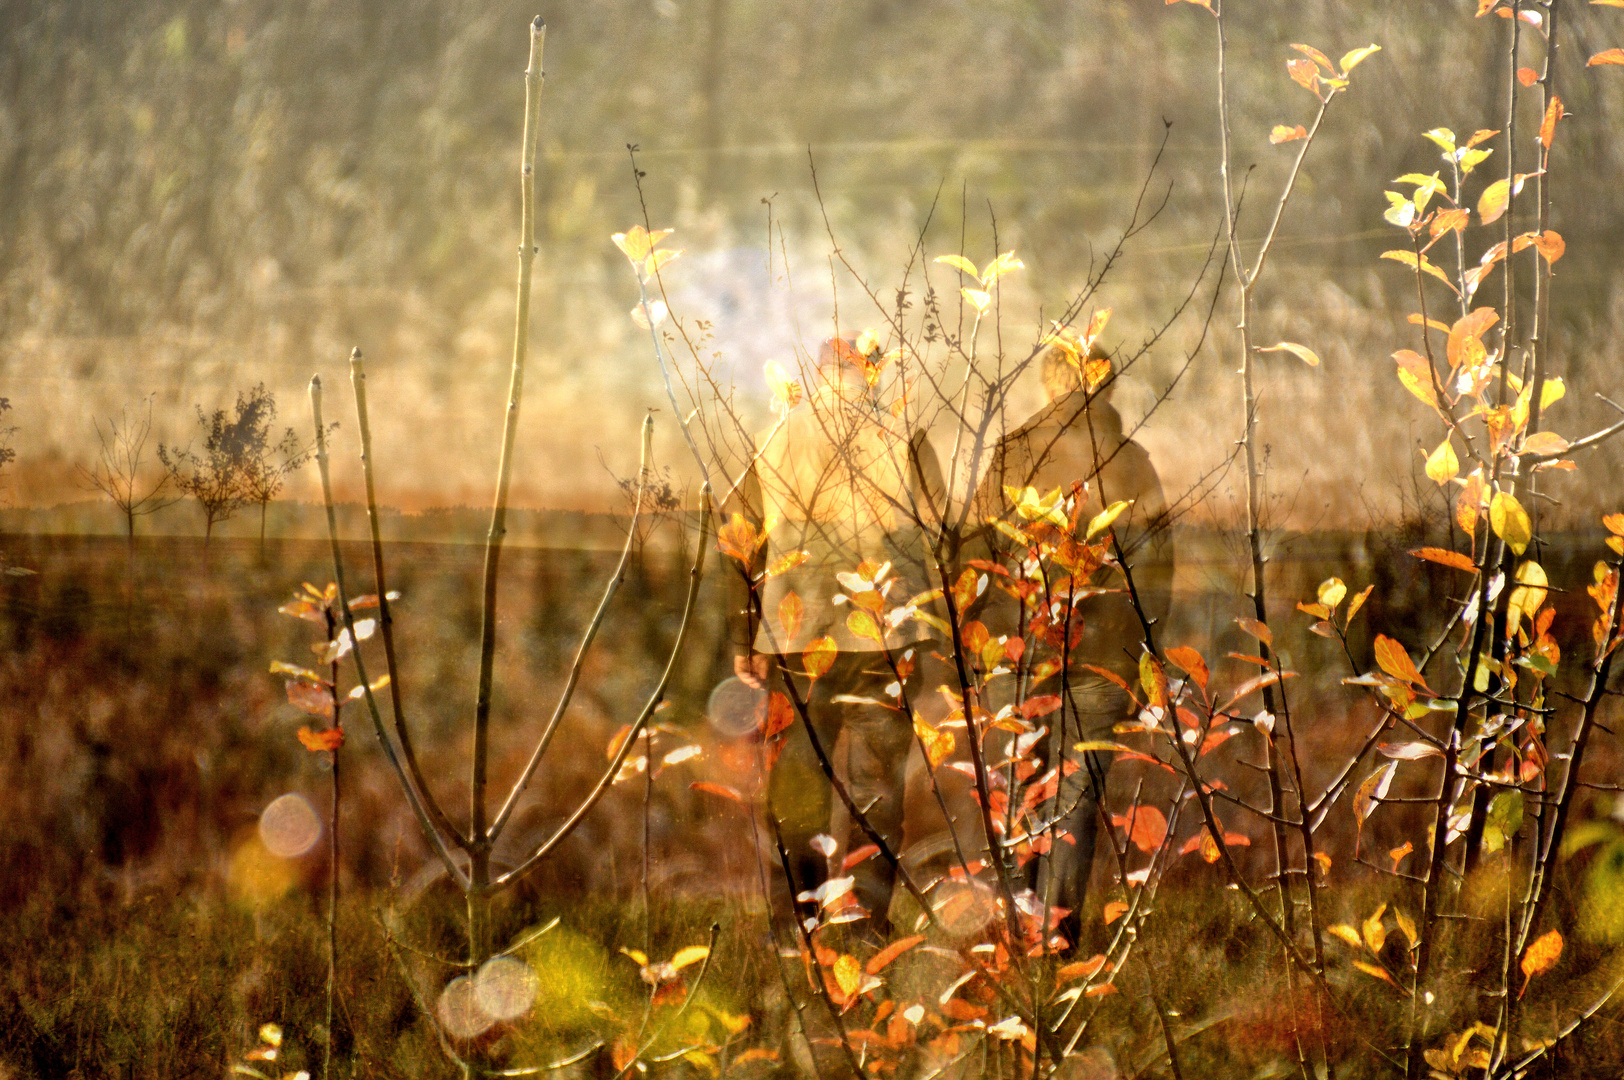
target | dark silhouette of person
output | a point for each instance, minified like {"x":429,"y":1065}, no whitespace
{"x":1076,"y":444}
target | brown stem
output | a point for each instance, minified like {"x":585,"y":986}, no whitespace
{"x":533,"y":78}
{"x":386,"y":623}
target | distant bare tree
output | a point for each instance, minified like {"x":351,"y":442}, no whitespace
{"x":239,"y":464}
{"x":7,"y":454}
{"x":118,"y":469}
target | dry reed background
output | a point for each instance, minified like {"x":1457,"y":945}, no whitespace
{"x":199,"y":196}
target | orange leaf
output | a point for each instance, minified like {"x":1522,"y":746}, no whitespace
{"x":789,"y":618}
{"x":1043,"y":705}
{"x":1284,"y":134}
{"x":936,"y":743}
{"x":1447,"y":558}
{"x":1541,"y":957}
{"x":1372,"y":791}
{"x":1304,"y":74}
{"x":1189,"y":661}
{"x":1610,"y":56}
{"x":1257,"y":630}
{"x":738,"y":539}
{"x":878,"y":961}
{"x":1091,"y":967}
{"x":1549,"y":244}
{"x":1115,"y":910}
{"x":1146,"y":827}
{"x":1448,"y":220}
{"x":780,"y":715}
{"x":857,"y":855}
{"x":716,"y":789}
{"x":1465,"y":346}
{"x":315,"y":700}
{"x":1399,"y":854}
{"x":1394,"y":659}
{"x":1258,"y":683}
{"x":1547,"y":127}
{"x":1378,"y":972}
{"x":1527,"y":76}
{"x":328,"y":739}
{"x":1318,"y":57}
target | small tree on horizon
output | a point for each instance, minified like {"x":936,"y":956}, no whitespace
{"x":7,"y":453}
{"x":117,"y":472}
{"x":239,"y":464}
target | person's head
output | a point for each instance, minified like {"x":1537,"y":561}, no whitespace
{"x":1065,"y":370}
{"x":853,"y":362}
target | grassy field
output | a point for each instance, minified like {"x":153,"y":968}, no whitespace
{"x":153,"y":933}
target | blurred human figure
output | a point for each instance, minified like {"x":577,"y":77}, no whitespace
{"x":1076,"y":443}
{"x":842,"y":481}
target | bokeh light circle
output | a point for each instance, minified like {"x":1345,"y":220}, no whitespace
{"x":505,"y":987}
{"x":459,"y":1009}
{"x":734,"y":709}
{"x":289,"y":826}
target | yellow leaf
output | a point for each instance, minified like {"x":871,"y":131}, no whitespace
{"x":634,"y":242}
{"x":1375,"y":934}
{"x":693,"y":954}
{"x":1415,"y":372}
{"x":652,"y":264}
{"x":1096,"y":325}
{"x":848,"y":975}
{"x":786,"y":391}
{"x":1406,"y":926}
{"x":1356,"y":56}
{"x":1526,"y":598}
{"x":1443,"y":137}
{"x":819,"y":654}
{"x":999,"y":267}
{"x":1301,"y":352}
{"x":785,"y":564}
{"x":978,"y":299}
{"x":1104,"y":518}
{"x":1510,"y":521}
{"x":1408,"y":258}
{"x":1493,"y":202}
{"x":937,"y":744}
{"x":1551,"y":393}
{"x":959,"y":262}
{"x":1282,"y":133}
{"x":1346,"y":934}
{"x":654,"y":316}
{"x":862,"y":625}
{"x":1443,"y":465}
{"x":1331,"y":592}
